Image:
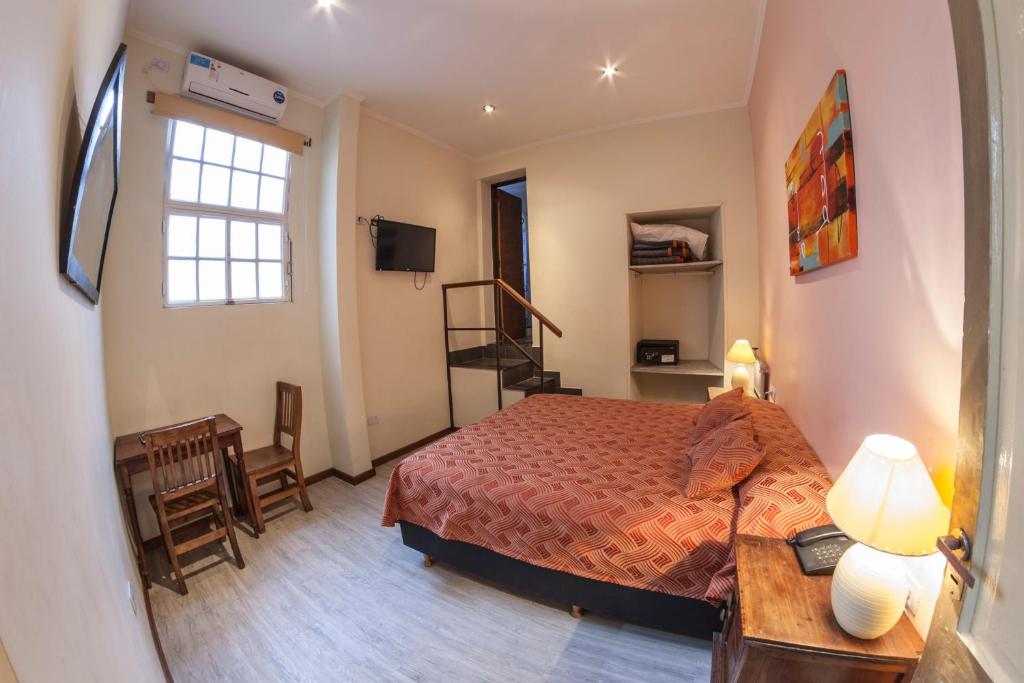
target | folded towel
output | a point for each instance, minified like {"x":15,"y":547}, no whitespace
{"x":655,"y":260}
{"x":643,"y":244}
{"x":661,"y":232}
{"x":664,"y":251}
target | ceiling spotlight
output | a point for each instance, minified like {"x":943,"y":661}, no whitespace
{"x":488,"y":108}
{"x":609,"y":71}
{"x":325,"y":4}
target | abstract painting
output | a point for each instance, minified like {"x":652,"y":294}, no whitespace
{"x":820,"y":186}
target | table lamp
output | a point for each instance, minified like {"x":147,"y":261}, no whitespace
{"x":885,"y":501}
{"x":742,"y":354}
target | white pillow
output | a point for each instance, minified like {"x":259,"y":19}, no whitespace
{"x":695,"y":239}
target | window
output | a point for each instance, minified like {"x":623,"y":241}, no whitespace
{"x":225,"y":219}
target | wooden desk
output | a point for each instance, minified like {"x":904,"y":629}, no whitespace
{"x":130,"y":458}
{"x":779,"y":626}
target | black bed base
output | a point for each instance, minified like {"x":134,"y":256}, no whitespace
{"x":686,"y":616}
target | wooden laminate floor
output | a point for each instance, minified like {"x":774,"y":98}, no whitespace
{"x":332,"y":596}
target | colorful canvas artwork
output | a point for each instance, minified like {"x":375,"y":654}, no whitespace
{"x":820,"y":186}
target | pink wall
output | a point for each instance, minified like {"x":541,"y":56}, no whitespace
{"x":872,"y":344}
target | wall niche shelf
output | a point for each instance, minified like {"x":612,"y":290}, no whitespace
{"x":685,"y":302}
{"x":696,"y":368}
{"x":695,"y":267}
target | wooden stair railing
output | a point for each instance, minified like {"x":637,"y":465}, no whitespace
{"x":499,"y":286}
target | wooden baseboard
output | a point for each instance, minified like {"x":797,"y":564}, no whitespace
{"x":355,"y":479}
{"x":168,"y":677}
{"x":388,"y":457}
{"x":320,"y":476}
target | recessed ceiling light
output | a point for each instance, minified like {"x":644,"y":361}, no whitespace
{"x":488,"y":108}
{"x":325,"y":3}
{"x":609,"y":71}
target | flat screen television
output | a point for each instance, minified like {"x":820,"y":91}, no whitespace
{"x":90,"y":205}
{"x":405,"y":247}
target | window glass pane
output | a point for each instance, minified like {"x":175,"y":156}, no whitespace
{"x":188,"y":140}
{"x":270,"y":280}
{"x":214,"y":188}
{"x":271,"y":194}
{"x":216,"y":168}
{"x":247,"y":154}
{"x":243,"y":189}
{"x":211,"y":237}
{"x":270,"y":241}
{"x":243,"y":280}
{"x":181,"y":235}
{"x":212,"y":286}
{"x":275,"y":161}
{"x":184,"y":181}
{"x":181,"y":281}
{"x":243,"y":239}
{"x":219,"y":146}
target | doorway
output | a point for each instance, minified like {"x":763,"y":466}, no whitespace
{"x":511,"y":253}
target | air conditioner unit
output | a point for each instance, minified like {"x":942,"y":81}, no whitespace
{"x":226,"y":86}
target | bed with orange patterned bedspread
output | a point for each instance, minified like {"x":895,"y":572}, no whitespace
{"x":594,"y":487}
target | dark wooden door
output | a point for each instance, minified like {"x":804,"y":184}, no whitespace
{"x":507,"y":219}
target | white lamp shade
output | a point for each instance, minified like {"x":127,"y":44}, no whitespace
{"x":741,"y":352}
{"x":885,"y":499}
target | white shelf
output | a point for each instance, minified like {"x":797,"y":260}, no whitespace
{"x":698,"y":368}
{"x":696,"y":267}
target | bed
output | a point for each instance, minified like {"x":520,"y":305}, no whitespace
{"x":580,"y":501}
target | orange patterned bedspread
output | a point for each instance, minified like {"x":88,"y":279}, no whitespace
{"x":588,"y":486}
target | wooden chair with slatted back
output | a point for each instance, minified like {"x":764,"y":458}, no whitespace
{"x":188,"y":484}
{"x":278,"y":461}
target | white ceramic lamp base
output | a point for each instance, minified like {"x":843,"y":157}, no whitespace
{"x":741,"y":379}
{"x":869,"y":591}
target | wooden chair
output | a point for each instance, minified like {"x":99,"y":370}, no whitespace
{"x":265,"y":464}
{"x":185,"y":463}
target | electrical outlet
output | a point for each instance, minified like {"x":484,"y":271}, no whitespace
{"x":131,"y":597}
{"x":913,"y":595}
{"x":373,"y":419}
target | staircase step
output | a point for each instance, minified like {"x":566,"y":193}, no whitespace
{"x":492,"y":363}
{"x":531,"y":385}
{"x":506,"y":350}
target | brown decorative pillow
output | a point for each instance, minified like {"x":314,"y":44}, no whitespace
{"x":723,"y":458}
{"x":718,"y":411}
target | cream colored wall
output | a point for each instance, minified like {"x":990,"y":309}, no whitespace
{"x":475,"y":396}
{"x":66,"y":568}
{"x":887,"y":325}
{"x":580,"y":190}
{"x":170,"y":364}
{"x":408,"y":179}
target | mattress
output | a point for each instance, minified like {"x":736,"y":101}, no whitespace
{"x":593,"y":487}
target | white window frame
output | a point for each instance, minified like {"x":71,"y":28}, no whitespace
{"x":228,"y":214}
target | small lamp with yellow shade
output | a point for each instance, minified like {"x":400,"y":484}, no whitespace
{"x":886,"y":501}
{"x":742,"y":354}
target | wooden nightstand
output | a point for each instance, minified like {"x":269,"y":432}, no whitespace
{"x":715,"y":391}
{"x":779,"y":626}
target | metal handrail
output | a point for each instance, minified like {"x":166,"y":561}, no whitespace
{"x":516,"y":296}
{"x":499,"y":333}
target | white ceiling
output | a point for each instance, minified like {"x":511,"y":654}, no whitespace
{"x":432,"y":64}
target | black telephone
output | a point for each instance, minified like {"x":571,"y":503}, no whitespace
{"x":820,"y":548}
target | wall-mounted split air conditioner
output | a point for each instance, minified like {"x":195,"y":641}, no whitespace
{"x":210,"y":80}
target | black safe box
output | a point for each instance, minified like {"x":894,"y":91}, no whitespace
{"x":657,"y":352}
